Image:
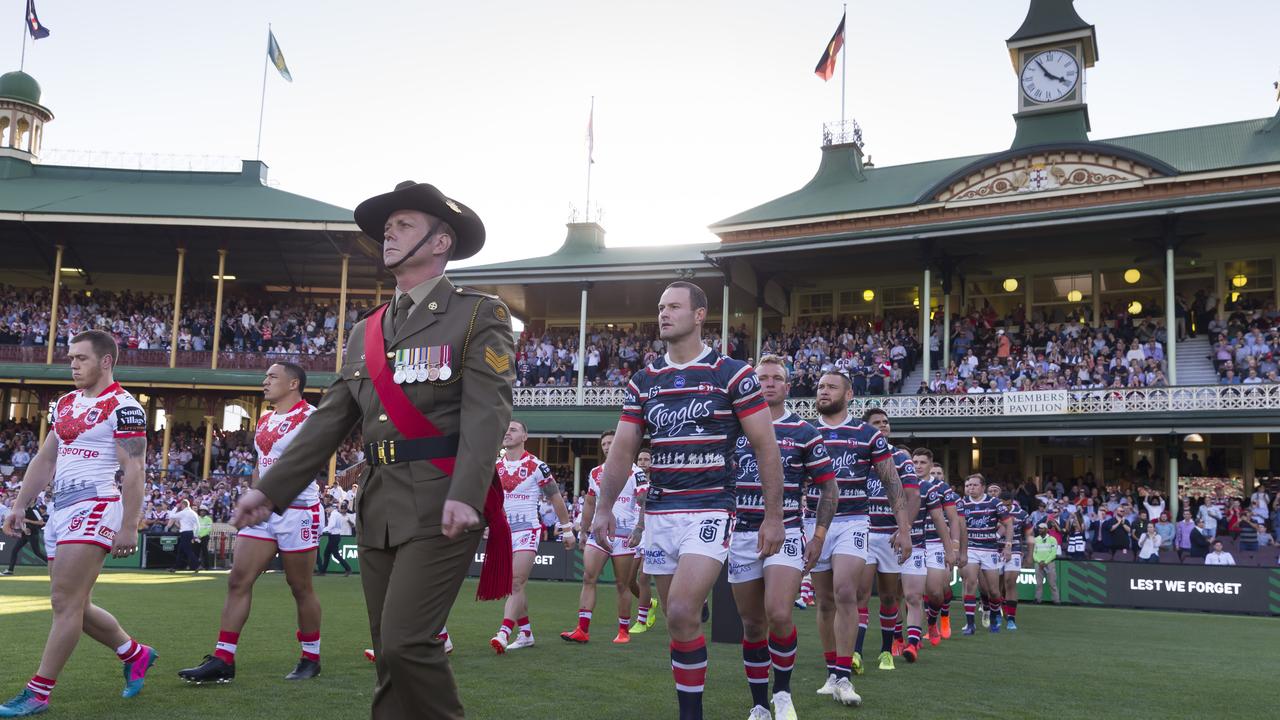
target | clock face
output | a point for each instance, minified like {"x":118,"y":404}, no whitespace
{"x":1050,"y":76}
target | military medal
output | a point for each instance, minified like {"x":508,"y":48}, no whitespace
{"x":399,"y":376}
{"x":445,"y":371}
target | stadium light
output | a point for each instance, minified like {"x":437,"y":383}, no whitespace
{"x":1075,"y":296}
{"x":1239,"y":280}
{"x":915,"y":302}
{"x":1132,"y":275}
{"x":1235,"y":296}
{"x":1010,"y":284}
{"x":1194,"y":438}
{"x":72,"y":270}
{"x":1135,"y":307}
{"x":224,"y":277}
{"x":868,"y":295}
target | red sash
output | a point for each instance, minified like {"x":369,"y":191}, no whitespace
{"x":495,"y":576}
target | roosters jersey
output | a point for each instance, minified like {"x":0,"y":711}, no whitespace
{"x":982,"y":517}
{"x":275,"y":431}
{"x":625,"y":510}
{"x":882,"y":518}
{"x":1021,"y":522}
{"x":947,"y":498}
{"x":87,"y":429}
{"x":692,"y":413}
{"x":522,"y":482}
{"x":854,"y":446}
{"x":804,"y":462}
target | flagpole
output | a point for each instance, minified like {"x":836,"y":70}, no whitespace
{"x":26,"y":24}
{"x":844,"y":67}
{"x":262,"y":104}
{"x":590,"y":140}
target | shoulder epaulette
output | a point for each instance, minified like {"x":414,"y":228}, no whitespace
{"x":476,"y":293}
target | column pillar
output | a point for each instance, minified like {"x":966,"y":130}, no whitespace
{"x":217,"y":306}
{"x":52,"y":337}
{"x":1028,"y":295}
{"x":1249,"y":468}
{"x":42,"y":407}
{"x":759,"y":331}
{"x":342,"y":321}
{"x":1220,"y":286}
{"x":724,"y":318}
{"x":377,"y":293}
{"x":1170,"y":331}
{"x":208,"y":446}
{"x":577,"y":480}
{"x":1099,"y":463}
{"x":924,"y":321}
{"x":168,"y":434}
{"x":1172,"y":493}
{"x":177,"y":308}
{"x":582,"y":343}
{"x":945,"y":362}
{"x":1096,"y":284}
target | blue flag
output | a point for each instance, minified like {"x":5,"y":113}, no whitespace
{"x":277,"y":57}
{"x":33,"y":23}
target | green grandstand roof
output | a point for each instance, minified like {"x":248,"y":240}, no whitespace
{"x":843,"y":185}
{"x":34,"y":190}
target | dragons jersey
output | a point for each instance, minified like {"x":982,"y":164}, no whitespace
{"x":625,"y":511}
{"x":1021,"y":522}
{"x":275,"y":431}
{"x":87,"y":429}
{"x":946,"y":498}
{"x":804,"y":461}
{"x":854,"y":446}
{"x":522,"y":482}
{"x":882,"y":519}
{"x":693,"y":414}
{"x":982,"y":517}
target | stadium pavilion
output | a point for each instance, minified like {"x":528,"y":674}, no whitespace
{"x":1138,"y":221}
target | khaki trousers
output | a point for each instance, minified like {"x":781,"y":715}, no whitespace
{"x":1050,"y":570}
{"x":409,"y":590}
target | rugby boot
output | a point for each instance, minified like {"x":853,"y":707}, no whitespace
{"x":304,"y":670}
{"x":944,"y":624}
{"x":499,"y":643}
{"x":968,"y":630}
{"x":653,"y":612}
{"x":759,"y":713}
{"x":829,"y":686}
{"x":135,"y":672}
{"x":623,"y":637}
{"x":24,"y":704}
{"x":886,"y":661}
{"x":986,"y":617}
{"x":856,"y":667}
{"x":212,"y":670}
{"x":1010,"y":625}
{"x":845,"y":694}
{"x":576,"y":635}
{"x":896,"y":648}
{"x":639,"y":627}
{"x":782,"y":707}
{"x":935,"y":637}
{"x":371,"y":656}
{"x":910,"y":653}
{"x":525,"y":640}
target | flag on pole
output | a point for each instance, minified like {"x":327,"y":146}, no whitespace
{"x":33,"y":23}
{"x":277,"y":57}
{"x":591,"y":136}
{"x":827,"y":65}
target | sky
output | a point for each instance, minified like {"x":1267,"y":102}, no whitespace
{"x":702,"y":108}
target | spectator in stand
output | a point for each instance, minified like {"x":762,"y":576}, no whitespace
{"x":1200,"y":540}
{"x":1207,"y":519}
{"x":186,"y":521}
{"x":1149,"y":545}
{"x":1076,"y":544}
{"x":1218,"y":556}
{"x":1248,"y":532}
{"x":1168,"y":531}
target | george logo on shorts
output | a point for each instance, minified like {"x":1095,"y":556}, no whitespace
{"x":76,"y":522}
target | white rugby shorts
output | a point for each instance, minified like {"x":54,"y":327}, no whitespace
{"x":669,"y":535}
{"x":745,"y":563}
{"x":93,"y":521}
{"x":846,"y":536}
{"x":935,"y":557}
{"x":986,"y":559}
{"x":620,"y":548}
{"x":880,"y":553}
{"x":1015,"y":562}
{"x":917,"y":564}
{"x":297,"y":530}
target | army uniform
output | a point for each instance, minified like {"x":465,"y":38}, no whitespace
{"x":410,"y":571}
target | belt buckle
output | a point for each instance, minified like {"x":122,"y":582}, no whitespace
{"x":382,"y":453}
{"x":391,"y":446}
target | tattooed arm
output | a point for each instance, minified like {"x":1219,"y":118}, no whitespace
{"x":826,"y":511}
{"x":905,"y":503}
{"x":132,"y":453}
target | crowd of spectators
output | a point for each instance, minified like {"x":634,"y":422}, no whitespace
{"x":1244,"y":346}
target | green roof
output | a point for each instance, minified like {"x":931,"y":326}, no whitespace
{"x":18,"y":85}
{"x":842,"y":185}
{"x":34,"y":189}
{"x":1049,"y":17}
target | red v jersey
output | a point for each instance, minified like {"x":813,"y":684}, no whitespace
{"x":275,"y":431}
{"x":522,"y":482}
{"x":87,"y":430}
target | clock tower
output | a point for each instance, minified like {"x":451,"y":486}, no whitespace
{"x":1050,"y":53}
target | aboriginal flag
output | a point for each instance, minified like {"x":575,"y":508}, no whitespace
{"x":34,"y":26}
{"x":827,"y":65}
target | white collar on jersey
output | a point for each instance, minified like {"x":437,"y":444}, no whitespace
{"x":701,"y":353}
{"x":848,"y":420}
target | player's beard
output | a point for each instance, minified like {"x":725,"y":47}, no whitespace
{"x":831,"y":407}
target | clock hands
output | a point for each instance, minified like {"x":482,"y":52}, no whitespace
{"x":1050,"y":75}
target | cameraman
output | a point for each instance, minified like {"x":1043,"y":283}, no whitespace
{"x":1046,"y":557}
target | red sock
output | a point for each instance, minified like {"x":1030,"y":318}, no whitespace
{"x":41,"y":687}
{"x":507,"y":626}
{"x":830,"y":657}
{"x":624,"y":624}
{"x":524,"y":625}
{"x":129,"y":651}
{"x":226,"y":648}
{"x":584,"y":619}
{"x":310,"y":645}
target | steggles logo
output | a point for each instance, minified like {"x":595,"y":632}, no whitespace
{"x":669,"y":420}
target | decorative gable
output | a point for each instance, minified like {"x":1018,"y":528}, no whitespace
{"x":1010,"y":178}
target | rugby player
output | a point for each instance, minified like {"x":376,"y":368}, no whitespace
{"x":765,"y":588}
{"x":854,"y":446}
{"x":98,"y":429}
{"x":1020,"y":529}
{"x":984,"y":518}
{"x":295,"y":535}
{"x":524,"y":477}
{"x":641,"y":586}
{"x":882,"y":566}
{"x":694,"y":403}
{"x":935,"y":536}
{"x":625,"y":511}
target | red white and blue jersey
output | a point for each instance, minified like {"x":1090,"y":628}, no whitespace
{"x":693,"y":415}
{"x":275,"y":432}
{"x":854,"y":446}
{"x":883,"y":521}
{"x":1021,"y":523}
{"x":947,"y":498}
{"x":804,"y":462}
{"x":87,"y":430}
{"x":982,"y":517}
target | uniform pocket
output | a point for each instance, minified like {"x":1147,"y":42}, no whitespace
{"x":430,"y":489}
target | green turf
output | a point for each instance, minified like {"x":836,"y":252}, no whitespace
{"x":1063,"y":662}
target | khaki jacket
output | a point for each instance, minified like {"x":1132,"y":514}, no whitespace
{"x":399,"y":502}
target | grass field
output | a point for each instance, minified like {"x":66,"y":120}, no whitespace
{"x":1063,"y":662}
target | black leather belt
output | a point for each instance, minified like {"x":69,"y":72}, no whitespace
{"x":390,"y":452}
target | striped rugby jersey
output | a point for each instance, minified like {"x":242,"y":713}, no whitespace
{"x":982,"y":518}
{"x":692,"y":413}
{"x":804,"y":462}
{"x":1021,"y":521}
{"x":854,"y":446}
{"x":947,"y":497}
{"x":883,"y":521}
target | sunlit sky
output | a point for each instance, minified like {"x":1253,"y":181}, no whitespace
{"x":703,"y":108}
